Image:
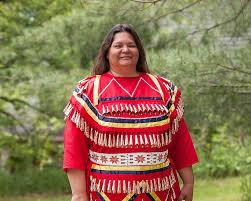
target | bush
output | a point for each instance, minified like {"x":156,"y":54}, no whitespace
{"x":34,"y":151}
{"x":48,"y":180}
{"x":224,"y":156}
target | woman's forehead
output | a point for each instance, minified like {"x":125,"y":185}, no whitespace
{"x":123,"y":36}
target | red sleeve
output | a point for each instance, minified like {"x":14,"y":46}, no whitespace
{"x":182,"y":150}
{"x":75,"y":147}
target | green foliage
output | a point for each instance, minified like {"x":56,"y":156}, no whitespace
{"x":224,"y":156}
{"x":48,"y":180}
{"x":37,"y":60}
{"x":40,"y":64}
{"x":70,"y":40}
{"x":38,"y":151}
{"x":210,"y":101}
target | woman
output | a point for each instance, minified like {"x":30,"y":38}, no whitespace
{"x":125,"y":135}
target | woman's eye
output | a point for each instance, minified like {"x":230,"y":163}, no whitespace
{"x":132,"y":46}
{"x":117,"y":46}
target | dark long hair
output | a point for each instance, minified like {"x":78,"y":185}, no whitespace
{"x":102,"y":64}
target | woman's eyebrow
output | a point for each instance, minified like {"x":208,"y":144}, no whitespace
{"x":120,"y":42}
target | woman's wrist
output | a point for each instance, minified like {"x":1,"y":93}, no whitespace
{"x":79,"y":197}
{"x":186,"y":174}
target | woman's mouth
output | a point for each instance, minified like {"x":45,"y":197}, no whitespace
{"x":126,"y":57}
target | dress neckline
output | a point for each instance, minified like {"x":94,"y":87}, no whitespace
{"x":108,"y":74}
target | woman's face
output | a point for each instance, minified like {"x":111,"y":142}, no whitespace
{"x":123,"y":52}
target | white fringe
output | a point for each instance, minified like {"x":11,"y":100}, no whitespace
{"x":134,"y":108}
{"x":124,"y":186}
{"x":125,"y":140}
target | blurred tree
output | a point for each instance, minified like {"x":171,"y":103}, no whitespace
{"x":207,"y":48}
{"x":40,"y":61}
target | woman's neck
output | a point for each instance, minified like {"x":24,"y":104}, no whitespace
{"x":125,"y":73}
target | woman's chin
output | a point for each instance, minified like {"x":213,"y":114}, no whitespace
{"x":127,"y":65}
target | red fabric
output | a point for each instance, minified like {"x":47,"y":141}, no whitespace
{"x":182,"y":150}
{"x":75,"y":147}
{"x":77,"y":143}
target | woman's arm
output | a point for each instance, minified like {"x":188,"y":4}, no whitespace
{"x":187,"y":177}
{"x":78,"y":185}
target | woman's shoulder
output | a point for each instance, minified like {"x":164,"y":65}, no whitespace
{"x":164,"y":81}
{"x":85,"y":84}
{"x":87,"y":79}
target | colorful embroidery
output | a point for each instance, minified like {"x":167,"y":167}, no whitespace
{"x":128,"y":159}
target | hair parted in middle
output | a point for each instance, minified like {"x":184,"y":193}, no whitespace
{"x":102,"y":66}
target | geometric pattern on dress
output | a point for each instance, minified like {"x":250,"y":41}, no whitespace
{"x":153,"y":196}
{"x":129,"y":197}
{"x":131,"y":94}
{"x":102,"y":196}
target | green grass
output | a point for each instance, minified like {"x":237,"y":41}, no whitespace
{"x":205,"y":190}
{"x":218,"y":189}
{"x":37,"y":197}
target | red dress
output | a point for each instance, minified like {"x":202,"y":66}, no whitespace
{"x":129,"y":136}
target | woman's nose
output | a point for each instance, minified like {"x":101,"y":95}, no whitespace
{"x":125,"y":48}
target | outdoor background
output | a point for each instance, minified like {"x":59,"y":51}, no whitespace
{"x":47,"y":46}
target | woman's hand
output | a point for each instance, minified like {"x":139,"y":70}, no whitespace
{"x":187,"y":177}
{"x":186,"y":193}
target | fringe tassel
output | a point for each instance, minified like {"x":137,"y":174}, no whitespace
{"x":172,"y":182}
{"x":125,"y":140}
{"x":133,"y":108}
{"x":67,"y":110}
{"x":144,"y":186}
{"x":180,"y":108}
{"x":180,"y":114}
